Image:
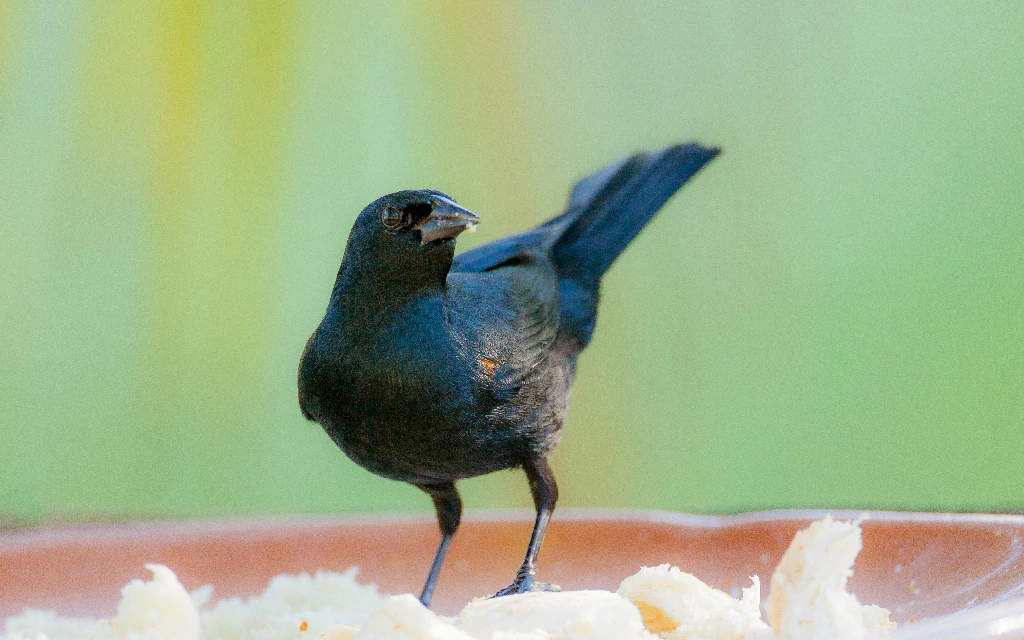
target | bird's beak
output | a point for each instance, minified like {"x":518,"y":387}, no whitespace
{"x":447,"y":220}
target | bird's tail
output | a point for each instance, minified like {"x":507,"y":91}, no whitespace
{"x":609,"y":208}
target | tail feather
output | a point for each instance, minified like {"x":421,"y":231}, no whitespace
{"x":608,"y":209}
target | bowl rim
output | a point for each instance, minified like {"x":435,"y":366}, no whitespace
{"x":18,"y":539}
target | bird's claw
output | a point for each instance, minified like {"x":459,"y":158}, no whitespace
{"x":525,"y":584}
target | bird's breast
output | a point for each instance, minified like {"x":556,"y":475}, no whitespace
{"x":406,"y":400}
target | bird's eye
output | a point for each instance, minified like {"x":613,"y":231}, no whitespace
{"x":392,"y":218}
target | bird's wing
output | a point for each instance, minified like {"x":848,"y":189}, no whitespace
{"x":505,"y":318}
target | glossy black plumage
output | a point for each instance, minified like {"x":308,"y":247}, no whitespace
{"x":429,"y":368}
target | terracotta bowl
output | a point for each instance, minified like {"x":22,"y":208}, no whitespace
{"x":917,"y":565}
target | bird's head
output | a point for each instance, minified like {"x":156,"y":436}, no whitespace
{"x":404,"y":240}
{"x":411,"y":219}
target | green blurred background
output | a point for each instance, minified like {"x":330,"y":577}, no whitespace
{"x":829,"y":315}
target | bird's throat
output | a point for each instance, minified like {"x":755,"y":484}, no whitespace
{"x":376,"y":282}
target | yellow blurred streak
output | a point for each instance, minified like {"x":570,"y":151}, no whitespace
{"x":217,"y":186}
{"x":180,"y":63}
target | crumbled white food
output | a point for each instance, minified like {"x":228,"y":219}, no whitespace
{"x":808,"y":601}
{"x":404,"y":618}
{"x":678,"y":606}
{"x":566,"y":615}
{"x":293,"y":607}
{"x":339,"y":632}
{"x":159,"y":609}
{"x":808,"y":598}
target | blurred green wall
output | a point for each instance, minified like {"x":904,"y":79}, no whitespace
{"x":830,"y":315}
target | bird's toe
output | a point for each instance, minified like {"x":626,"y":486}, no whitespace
{"x":526,"y":584}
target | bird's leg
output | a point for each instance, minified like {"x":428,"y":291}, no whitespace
{"x":545,"y":494}
{"x":448,"y":505}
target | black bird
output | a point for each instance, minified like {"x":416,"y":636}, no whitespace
{"x":430,"y":367}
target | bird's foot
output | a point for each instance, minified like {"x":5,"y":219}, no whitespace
{"x":525,"y":583}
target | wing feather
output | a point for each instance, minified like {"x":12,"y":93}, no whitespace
{"x":514,"y":319}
